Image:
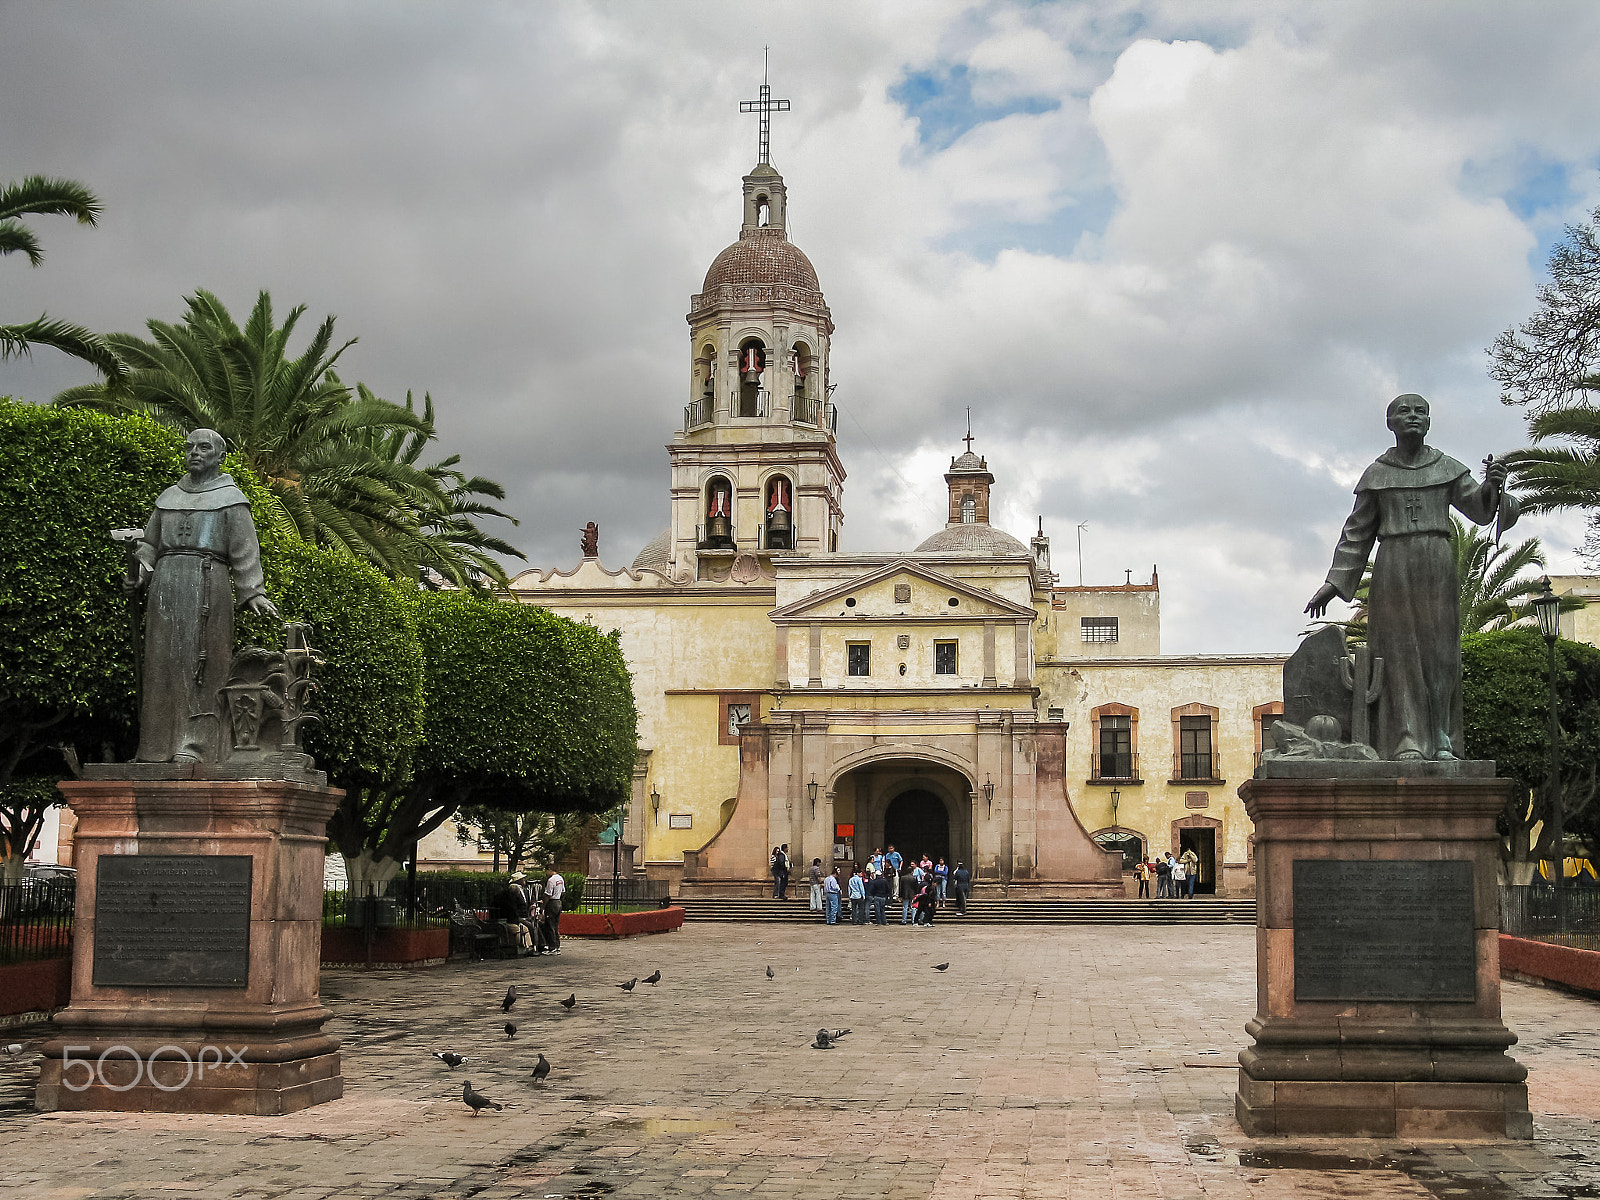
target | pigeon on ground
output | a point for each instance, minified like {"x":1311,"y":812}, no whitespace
{"x":511,"y":1031}
{"x":511,"y":998}
{"x":770,"y":973}
{"x":542,"y":1071}
{"x":475,"y":1101}
{"x":449,"y":1058}
{"x":14,"y":1049}
{"x":942,"y":967}
{"x":628,"y":987}
{"x":570,"y":1001}
{"x":652,"y":980}
{"x":824,"y":1040}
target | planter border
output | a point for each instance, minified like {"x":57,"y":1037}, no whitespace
{"x":1549,"y":965}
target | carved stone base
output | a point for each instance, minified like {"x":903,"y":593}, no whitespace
{"x":1377,"y":960}
{"x":196,"y":950}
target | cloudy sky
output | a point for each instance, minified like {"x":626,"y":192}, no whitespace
{"x":1175,"y":256}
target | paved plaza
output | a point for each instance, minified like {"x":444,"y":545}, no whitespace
{"x":1059,"y":1061}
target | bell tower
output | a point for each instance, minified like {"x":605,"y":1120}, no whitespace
{"x":755,"y":466}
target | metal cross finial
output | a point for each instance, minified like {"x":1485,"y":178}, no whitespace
{"x":766,"y":106}
{"x":968,"y":438}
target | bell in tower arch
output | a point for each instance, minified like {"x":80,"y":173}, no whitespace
{"x":719,"y":515}
{"x":780,"y":515}
{"x":752,"y":361}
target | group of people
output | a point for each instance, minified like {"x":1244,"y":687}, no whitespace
{"x":1174,"y":877}
{"x":532,"y":912}
{"x":920,"y":886}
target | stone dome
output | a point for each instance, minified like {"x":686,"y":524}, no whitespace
{"x":762,"y":257}
{"x":968,"y":462}
{"x":656,"y":555}
{"x":972,"y":539}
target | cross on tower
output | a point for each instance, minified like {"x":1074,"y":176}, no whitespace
{"x":968,"y":438}
{"x":766,"y":106}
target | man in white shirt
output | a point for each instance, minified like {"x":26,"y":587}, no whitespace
{"x":1179,"y":874}
{"x":554,"y":889}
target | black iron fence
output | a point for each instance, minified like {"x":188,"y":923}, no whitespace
{"x":36,"y":920}
{"x":1568,"y":916}
{"x":604,"y":894}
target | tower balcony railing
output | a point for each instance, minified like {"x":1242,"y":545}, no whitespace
{"x":698,"y":412}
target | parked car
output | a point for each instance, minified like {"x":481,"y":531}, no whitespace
{"x":48,"y":888}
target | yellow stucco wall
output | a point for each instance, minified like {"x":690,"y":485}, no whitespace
{"x":1233,"y":685}
{"x":1138,"y":613}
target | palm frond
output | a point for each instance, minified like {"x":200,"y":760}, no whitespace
{"x":81,"y":343}
{"x":41,"y":195}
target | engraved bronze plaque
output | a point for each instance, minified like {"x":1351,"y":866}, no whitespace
{"x":172,"y":920}
{"x":1373,"y":929}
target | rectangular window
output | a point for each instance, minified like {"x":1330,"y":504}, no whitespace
{"x":944,"y":658}
{"x":1194,"y":750}
{"x":1098,"y":629}
{"x":1116,"y":748}
{"x":860,"y":658}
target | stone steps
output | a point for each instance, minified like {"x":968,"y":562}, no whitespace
{"x":1199,"y":911}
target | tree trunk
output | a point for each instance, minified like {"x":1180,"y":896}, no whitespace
{"x":368,"y":875}
{"x":14,"y":865}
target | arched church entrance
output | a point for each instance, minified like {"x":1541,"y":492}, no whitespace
{"x":916,"y":822}
{"x":919,"y":806}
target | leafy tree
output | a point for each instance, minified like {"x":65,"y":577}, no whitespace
{"x":1552,"y":360}
{"x":36,"y":196}
{"x":1505,"y":695}
{"x":526,"y":712}
{"x":520,"y":836}
{"x":319,"y":448}
{"x":67,"y":478}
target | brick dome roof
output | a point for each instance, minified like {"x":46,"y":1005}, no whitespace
{"x":972,"y":539}
{"x":657,"y":554}
{"x":762,"y":256}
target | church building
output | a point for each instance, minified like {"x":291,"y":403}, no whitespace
{"x":951,"y":699}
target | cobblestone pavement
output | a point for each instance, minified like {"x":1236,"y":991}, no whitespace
{"x":1046,"y":1062}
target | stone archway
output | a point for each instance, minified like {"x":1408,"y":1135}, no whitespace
{"x":917,"y":821}
{"x":918,"y":805}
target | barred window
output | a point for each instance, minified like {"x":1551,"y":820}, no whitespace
{"x":1116,"y":748}
{"x":1194,"y":754}
{"x":860,"y":658}
{"x":944,"y":658}
{"x":1098,"y":629}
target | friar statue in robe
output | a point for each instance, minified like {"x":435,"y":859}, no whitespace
{"x":201,"y":530}
{"x":1403,"y":503}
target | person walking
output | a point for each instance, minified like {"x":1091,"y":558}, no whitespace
{"x":555,"y":893}
{"x":878,"y":897}
{"x":907,"y":890}
{"x":1191,"y":868}
{"x":941,"y":875}
{"x":1163,"y":877}
{"x":961,"y":878}
{"x":858,"y":899}
{"x":815,"y":876}
{"x":830,"y":888}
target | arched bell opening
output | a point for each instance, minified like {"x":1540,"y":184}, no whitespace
{"x":779,"y":514}
{"x":718,"y":532}
{"x":705,"y":374}
{"x":801,"y":367}
{"x":763,"y":209}
{"x":752,"y":368}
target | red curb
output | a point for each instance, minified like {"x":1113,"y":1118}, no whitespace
{"x":621,"y":925}
{"x":1564,"y":966}
{"x":42,"y":986}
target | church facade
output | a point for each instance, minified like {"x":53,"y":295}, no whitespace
{"x":951,"y":699}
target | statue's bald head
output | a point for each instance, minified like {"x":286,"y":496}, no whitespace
{"x":1409,"y":400}
{"x":205,"y":450}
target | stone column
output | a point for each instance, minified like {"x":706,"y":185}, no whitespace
{"x":197,"y":950}
{"x":1377,"y":955}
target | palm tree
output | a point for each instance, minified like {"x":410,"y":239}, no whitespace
{"x":320,"y":449}
{"x":38,"y":196}
{"x":1555,"y":477}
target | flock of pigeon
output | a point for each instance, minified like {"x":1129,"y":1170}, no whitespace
{"x":477,"y":1102}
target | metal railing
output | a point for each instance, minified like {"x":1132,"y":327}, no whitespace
{"x":1117,"y":767}
{"x":1201,"y":766}
{"x":1567,"y":916}
{"x":36,"y":920}
{"x":604,"y":894}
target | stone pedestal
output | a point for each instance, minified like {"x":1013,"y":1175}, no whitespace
{"x":196,"y":950}
{"x":1377,"y":957}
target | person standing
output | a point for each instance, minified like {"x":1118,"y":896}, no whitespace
{"x":941,"y":875}
{"x":908,"y":892}
{"x":1163,"y":877}
{"x":858,"y":898}
{"x":895,"y":862}
{"x":783,"y":871}
{"x":1191,"y":867}
{"x":962,"y":879}
{"x":815,"y":876}
{"x":1178,"y":876}
{"x":772,"y":867}
{"x":1143,"y":872}
{"x":830,"y":888}
{"x":878,"y":896}
{"x":555,"y":892}
{"x":927,"y":901}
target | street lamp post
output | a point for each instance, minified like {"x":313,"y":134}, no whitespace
{"x":1548,"y":607}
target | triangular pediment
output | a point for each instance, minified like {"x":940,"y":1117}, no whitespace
{"x":930,"y":594}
